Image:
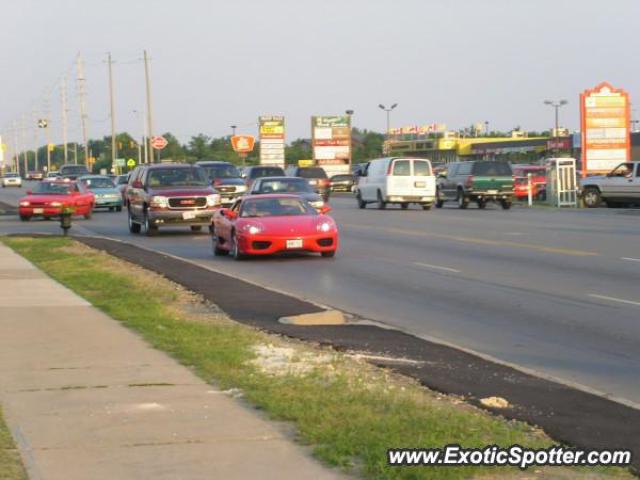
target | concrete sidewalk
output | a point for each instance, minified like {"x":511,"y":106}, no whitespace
{"x":88,"y":399}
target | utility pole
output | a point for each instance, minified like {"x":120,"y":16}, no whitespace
{"x":16,"y":148}
{"x":114,"y":145}
{"x":23,"y":135}
{"x":83,"y":106}
{"x":149,"y":111}
{"x":556,"y":106}
{"x":34,"y":125}
{"x":63,"y":97}
{"x":47,"y":133}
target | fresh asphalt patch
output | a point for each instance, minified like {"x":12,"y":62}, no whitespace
{"x":569,"y":415}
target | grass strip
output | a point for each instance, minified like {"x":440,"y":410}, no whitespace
{"x":10,"y":464}
{"x":349,"y":412}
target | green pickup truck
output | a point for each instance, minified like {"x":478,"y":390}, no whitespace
{"x":477,"y":181}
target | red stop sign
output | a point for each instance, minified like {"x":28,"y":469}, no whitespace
{"x":159,"y":142}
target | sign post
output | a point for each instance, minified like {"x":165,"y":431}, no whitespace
{"x":158,"y":143}
{"x":331,"y":143}
{"x":272,"y":140}
{"x":605,"y":118}
{"x":243,"y":144}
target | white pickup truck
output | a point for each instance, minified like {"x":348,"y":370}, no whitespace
{"x":620,"y":187}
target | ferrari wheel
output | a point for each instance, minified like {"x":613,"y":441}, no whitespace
{"x":235,"y":249}
{"x":215,"y":244}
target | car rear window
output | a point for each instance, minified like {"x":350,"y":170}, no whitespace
{"x":401,"y":168}
{"x":221,"y":171}
{"x":492,"y":169}
{"x":341,"y":178}
{"x":266,"y":172}
{"x":421,"y":168}
{"x":74,"y":170}
{"x":312,"y":172}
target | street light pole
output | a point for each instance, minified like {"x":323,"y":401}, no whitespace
{"x":556,"y":105}
{"x":388,"y":110}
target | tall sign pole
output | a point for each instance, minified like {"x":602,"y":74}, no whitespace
{"x":114,"y":145}
{"x":149,"y":111}
{"x":83,"y":107}
{"x":16,"y":148}
{"x":63,"y":98}
{"x":23,"y":138}
{"x":34,"y":122}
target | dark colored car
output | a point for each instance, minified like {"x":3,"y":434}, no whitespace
{"x":289,"y":185}
{"x":316,"y":176}
{"x":477,"y":181}
{"x":342,"y":183}
{"x":257,"y":171}
{"x":225,"y":178}
{"x":170,"y":194}
{"x":72,"y":172}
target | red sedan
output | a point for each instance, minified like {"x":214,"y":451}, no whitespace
{"x":268,"y":224}
{"x":48,"y":199}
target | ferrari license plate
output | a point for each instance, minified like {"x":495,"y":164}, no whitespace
{"x":297,"y":243}
{"x":38,"y":210}
{"x":188,"y":215}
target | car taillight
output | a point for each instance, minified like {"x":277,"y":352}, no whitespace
{"x":468,"y":183}
{"x":324,"y":181}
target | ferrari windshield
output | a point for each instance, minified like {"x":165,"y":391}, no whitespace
{"x":275,"y":207}
{"x":52,"y":188}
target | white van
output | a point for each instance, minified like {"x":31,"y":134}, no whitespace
{"x":397,"y":180}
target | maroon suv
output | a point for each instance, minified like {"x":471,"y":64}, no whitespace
{"x":170,"y":194}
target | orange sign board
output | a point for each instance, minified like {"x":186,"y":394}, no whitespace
{"x":605,"y":120}
{"x":243,"y":143}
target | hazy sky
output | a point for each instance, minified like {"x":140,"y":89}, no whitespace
{"x":218,"y":63}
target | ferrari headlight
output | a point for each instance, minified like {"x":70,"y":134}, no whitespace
{"x":158,"y":201}
{"x":213,"y":200}
{"x":325,"y":227}
{"x":56,"y":204}
{"x":24,"y":204}
{"x":252,"y":229}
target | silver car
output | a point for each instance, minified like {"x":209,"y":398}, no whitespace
{"x":11,"y":180}
{"x":618,"y":188}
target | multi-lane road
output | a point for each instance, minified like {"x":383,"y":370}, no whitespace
{"x":553,"y":291}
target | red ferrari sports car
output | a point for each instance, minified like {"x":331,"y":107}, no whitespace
{"x":267,"y":224}
{"x":47,"y":199}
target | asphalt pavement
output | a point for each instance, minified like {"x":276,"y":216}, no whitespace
{"x":554,"y":292}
